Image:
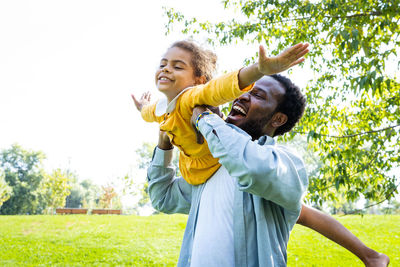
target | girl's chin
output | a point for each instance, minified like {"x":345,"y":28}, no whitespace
{"x":163,"y":88}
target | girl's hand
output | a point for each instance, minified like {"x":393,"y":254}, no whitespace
{"x":288,"y":58}
{"x":143,"y":101}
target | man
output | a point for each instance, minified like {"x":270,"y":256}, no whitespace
{"x":243,"y":214}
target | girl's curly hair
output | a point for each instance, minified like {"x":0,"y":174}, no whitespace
{"x":204,"y":62}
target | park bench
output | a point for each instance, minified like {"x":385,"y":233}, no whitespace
{"x":71,"y":211}
{"x":106,"y":211}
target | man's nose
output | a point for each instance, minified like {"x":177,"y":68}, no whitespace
{"x":244,"y":97}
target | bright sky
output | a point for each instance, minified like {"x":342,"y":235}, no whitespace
{"x":67,"y":69}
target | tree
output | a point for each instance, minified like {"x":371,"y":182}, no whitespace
{"x":75,"y":197}
{"x":137,"y":187}
{"x":91,"y":194}
{"x":144,"y":155}
{"x":107,"y":197}
{"x":83,"y":194}
{"x":392,"y":208}
{"x":140,"y":189}
{"x":352,"y":121}
{"x":56,"y":189}
{"x":23,"y":172}
{"x":5,"y":189}
{"x":145,"y":198}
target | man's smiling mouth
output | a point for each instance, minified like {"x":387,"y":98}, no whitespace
{"x":239,"y":110}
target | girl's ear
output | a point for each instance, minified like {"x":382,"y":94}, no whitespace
{"x":201,"y":80}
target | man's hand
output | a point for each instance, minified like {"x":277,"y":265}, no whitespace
{"x":215,"y":110}
{"x":288,"y":58}
{"x":196,"y":112}
{"x":144,"y":100}
{"x":163,"y":141}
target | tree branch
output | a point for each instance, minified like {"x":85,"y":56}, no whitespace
{"x":352,"y":135}
{"x":372,"y":160}
{"x":362,"y":169}
{"x":376,"y":13}
{"x":235,"y":25}
{"x":372,"y":205}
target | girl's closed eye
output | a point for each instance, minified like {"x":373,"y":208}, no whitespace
{"x":163,"y":63}
{"x":179,"y":66}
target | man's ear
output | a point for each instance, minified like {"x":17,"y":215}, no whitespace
{"x":201,"y":80}
{"x":279,"y":119}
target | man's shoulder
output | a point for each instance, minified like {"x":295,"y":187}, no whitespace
{"x":296,"y":159}
{"x":292,"y":153}
{"x":289,"y":149}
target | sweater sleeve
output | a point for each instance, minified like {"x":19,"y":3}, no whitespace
{"x":214,"y":93}
{"x":148,"y":112}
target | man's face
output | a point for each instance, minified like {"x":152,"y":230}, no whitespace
{"x":253,"y":111}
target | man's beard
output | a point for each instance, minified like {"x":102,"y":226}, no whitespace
{"x":255,"y":127}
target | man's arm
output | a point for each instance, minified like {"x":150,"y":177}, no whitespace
{"x":269,"y":171}
{"x":167,"y":194}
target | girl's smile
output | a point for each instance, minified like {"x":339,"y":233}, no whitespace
{"x":175,"y":72}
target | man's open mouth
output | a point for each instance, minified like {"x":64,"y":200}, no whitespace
{"x":238,"y":110}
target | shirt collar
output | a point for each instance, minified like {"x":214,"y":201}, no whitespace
{"x":163,"y":106}
{"x":263,"y":140}
{"x":266,"y":140}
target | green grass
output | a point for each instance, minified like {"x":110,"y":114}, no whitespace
{"x":379,"y":232}
{"x":79,"y":240}
{"x":84,"y":240}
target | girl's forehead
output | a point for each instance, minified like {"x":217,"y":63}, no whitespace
{"x":176,"y":53}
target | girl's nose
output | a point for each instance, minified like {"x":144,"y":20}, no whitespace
{"x":165,"y":69}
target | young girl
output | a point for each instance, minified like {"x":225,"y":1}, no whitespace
{"x":184,"y":77}
{"x":183,"y":72}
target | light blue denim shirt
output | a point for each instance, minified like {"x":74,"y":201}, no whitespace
{"x":270,"y":183}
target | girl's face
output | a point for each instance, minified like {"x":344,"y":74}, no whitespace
{"x":175,"y":72}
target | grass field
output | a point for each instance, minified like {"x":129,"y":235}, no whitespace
{"x":107,"y":240}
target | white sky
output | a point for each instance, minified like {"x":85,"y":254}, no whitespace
{"x":67,"y":69}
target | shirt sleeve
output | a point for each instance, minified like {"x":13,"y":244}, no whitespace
{"x":148,"y":112}
{"x":269,"y":171}
{"x":214,"y":93}
{"x":167,"y":193}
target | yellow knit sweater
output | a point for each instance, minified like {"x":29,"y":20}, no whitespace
{"x":196,"y":163}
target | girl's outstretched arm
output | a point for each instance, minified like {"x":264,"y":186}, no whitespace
{"x":331,"y":228}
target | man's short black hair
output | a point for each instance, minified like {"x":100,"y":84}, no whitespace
{"x":292,"y":105}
